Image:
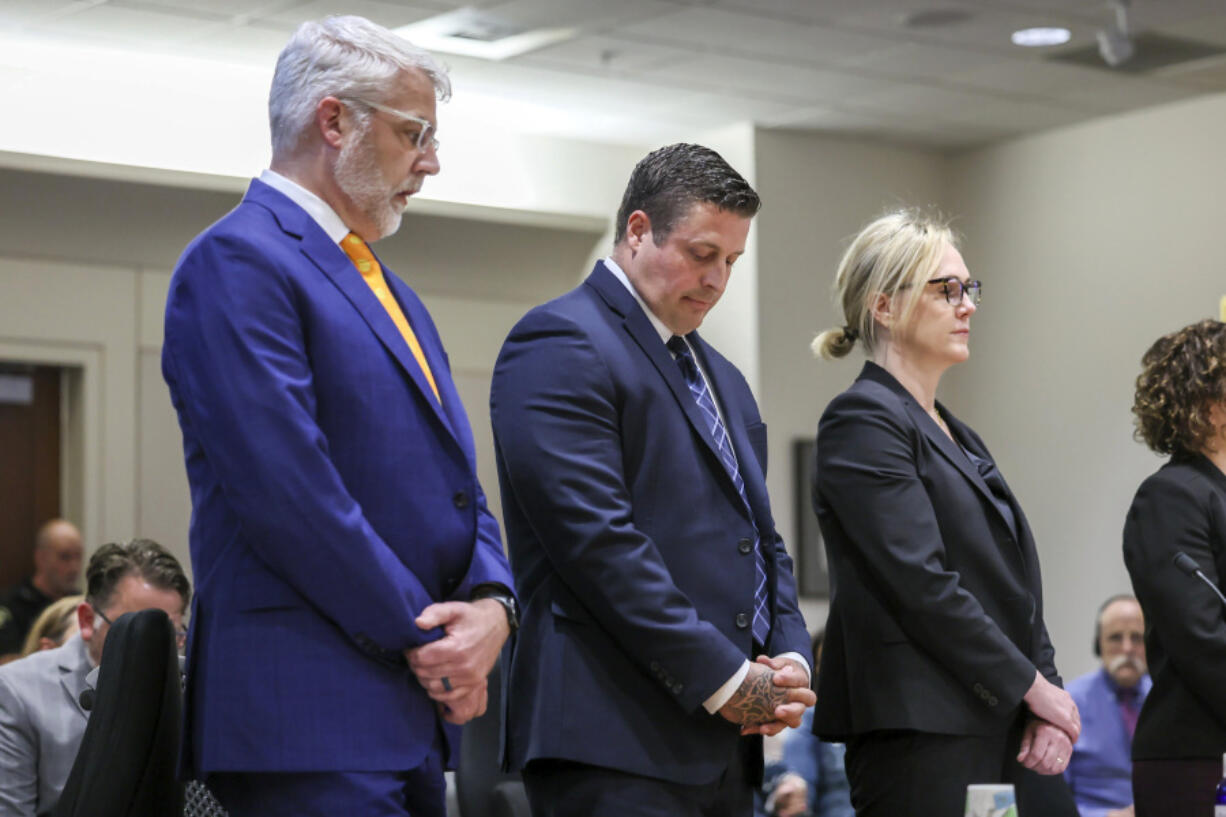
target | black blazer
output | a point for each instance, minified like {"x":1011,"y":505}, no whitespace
{"x":1182,"y":507}
{"x":936,"y":605}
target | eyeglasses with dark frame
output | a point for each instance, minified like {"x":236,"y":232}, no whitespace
{"x":955,"y":288}
{"x":180,"y":632}
{"x":423,"y":139}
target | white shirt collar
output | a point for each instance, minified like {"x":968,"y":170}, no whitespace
{"x":664,"y":332}
{"x":315,"y":207}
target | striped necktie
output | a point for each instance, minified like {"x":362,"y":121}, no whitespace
{"x":706,"y":406}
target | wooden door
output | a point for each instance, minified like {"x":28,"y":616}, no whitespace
{"x":29,"y":462}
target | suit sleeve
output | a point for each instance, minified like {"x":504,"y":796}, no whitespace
{"x":868,"y":474}
{"x":1167,"y":517}
{"x":556,"y":424}
{"x":489,"y":561}
{"x":18,"y":756}
{"x":236,"y":362}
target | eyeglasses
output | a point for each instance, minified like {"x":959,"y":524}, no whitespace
{"x":955,"y":288}
{"x":423,"y":139}
{"x":180,"y":632}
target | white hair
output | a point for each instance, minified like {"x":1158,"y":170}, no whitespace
{"x":342,"y":57}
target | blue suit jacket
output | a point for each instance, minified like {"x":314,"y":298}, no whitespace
{"x":333,"y":499}
{"x":630,"y":545}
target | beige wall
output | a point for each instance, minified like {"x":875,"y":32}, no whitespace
{"x":1091,"y":241}
{"x":817,"y":192}
{"x":84,"y":272}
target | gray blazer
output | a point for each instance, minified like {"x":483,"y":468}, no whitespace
{"x":41,"y":725}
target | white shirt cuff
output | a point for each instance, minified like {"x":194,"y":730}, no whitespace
{"x":722,"y":695}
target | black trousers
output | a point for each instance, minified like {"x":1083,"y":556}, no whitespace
{"x":1175,"y":788}
{"x":925,"y":775}
{"x":561,"y":788}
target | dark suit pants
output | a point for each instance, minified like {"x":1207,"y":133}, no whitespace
{"x":925,"y":775}
{"x":559,"y":788}
{"x":420,"y":792}
{"x":1174,"y":788}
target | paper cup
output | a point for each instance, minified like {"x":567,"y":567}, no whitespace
{"x":991,"y":800}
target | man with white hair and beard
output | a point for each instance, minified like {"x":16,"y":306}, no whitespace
{"x":1109,"y":699}
{"x":352,"y":590}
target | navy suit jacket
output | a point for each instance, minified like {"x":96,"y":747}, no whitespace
{"x":936,"y":610}
{"x":631,"y":548}
{"x":333,"y":498}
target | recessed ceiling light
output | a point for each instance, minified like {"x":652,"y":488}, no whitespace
{"x":1039,"y":37}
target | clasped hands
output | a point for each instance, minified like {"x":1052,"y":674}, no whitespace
{"x":773,"y":695}
{"x":454,"y":670}
{"x":1047,"y":741}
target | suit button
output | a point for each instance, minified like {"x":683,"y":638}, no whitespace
{"x":655,"y":666}
{"x":993,"y":701}
{"x":978,"y":688}
{"x":742,"y":621}
{"x":677,"y":688}
{"x":744,"y":545}
{"x":460,"y":500}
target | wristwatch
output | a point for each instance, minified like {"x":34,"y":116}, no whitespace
{"x":498,"y":594}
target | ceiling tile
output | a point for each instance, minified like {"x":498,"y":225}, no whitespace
{"x":391,"y":15}
{"x":215,"y":8}
{"x":769,"y":80}
{"x":115,"y":25}
{"x":588,"y":15}
{"x":247,"y":44}
{"x":743,"y":34}
{"x":923,"y":61}
{"x":603,"y":54}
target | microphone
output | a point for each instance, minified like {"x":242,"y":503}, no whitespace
{"x":1188,"y":565}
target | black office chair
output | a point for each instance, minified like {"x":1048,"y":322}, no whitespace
{"x":482,"y":788}
{"x":126,"y":764}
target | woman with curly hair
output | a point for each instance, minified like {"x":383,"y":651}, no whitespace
{"x":937,"y":669}
{"x":1180,"y":410}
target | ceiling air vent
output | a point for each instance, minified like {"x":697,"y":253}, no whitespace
{"x":1153,"y":54}
{"x":476,"y":33}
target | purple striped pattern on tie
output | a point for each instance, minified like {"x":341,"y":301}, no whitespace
{"x":706,"y":405}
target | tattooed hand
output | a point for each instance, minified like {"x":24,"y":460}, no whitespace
{"x":769,"y":699}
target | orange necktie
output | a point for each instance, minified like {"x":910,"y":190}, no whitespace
{"x":372,"y":274}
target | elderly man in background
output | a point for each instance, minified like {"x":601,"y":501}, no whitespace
{"x":58,"y":556}
{"x":41,"y":717}
{"x":1109,"y":699}
{"x":353,"y":594}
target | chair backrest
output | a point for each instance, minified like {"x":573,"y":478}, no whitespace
{"x":126,"y":764}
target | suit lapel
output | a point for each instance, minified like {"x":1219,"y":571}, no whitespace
{"x":941,"y":442}
{"x":74,"y":667}
{"x":619,"y":299}
{"x":332,"y":261}
{"x":448,"y":401}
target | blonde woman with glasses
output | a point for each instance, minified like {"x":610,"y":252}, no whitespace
{"x":937,"y":670}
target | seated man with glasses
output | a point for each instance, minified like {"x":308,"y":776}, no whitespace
{"x":41,"y":717}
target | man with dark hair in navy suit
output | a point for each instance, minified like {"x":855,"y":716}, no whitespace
{"x":352,"y":591}
{"x":661,"y":635}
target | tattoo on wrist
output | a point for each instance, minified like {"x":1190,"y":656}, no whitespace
{"x":756,"y":699}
